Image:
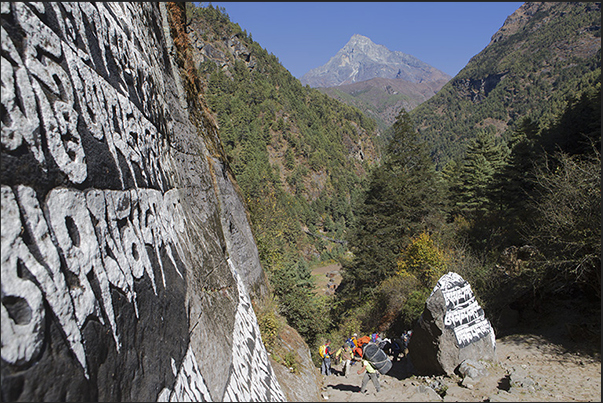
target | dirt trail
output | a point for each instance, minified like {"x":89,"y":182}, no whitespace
{"x":553,"y":355}
{"x":540,"y":371}
{"x":322,"y":281}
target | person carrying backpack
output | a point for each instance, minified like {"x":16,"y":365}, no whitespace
{"x":369,"y":373}
{"x":346,"y":356}
{"x":325,"y":353}
{"x":352,"y":341}
{"x":337,"y":356}
{"x":396,"y":349}
{"x":406,"y":341}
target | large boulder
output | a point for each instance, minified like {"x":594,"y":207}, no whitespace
{"x":451,"y":329}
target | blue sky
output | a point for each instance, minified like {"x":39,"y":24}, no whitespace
{"x":305,"y":35}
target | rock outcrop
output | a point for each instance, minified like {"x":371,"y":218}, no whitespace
{"x":299,"y":383}
{"x":127,"y":256}
{"x":451,"y":329}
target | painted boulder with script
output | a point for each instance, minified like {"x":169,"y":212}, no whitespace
{"x":451,"y":329}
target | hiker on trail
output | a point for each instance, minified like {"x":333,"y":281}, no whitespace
{"x":360,"y":344}
{"x":357,"y":351}
{"x":396,"y":349}
{"x":352,"y":341}
{"x":406,"y":341}
{"x":346,"y":357}
{"x":369,"y":373}
{"x":325,"y":353}
{"x":384,"y":344}
{"x":337,"y":356}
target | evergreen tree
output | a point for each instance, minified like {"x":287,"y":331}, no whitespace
{"x":451,"y":175}
{"x":516,"y":179}
{"x":577,"y":131}
{"x":403,"y":198}
{"x":484,"y":158}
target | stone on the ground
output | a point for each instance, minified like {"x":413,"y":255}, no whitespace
{"x":472,"y":369}
{"x":424,"y":393}
{"x":451,"y":329}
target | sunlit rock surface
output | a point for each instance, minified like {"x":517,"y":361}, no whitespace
{"x":452,"y":328}
{"x":127,"y":257}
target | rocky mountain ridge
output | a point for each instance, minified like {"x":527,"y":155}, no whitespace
{"x":543,"y":55}
{"x":361,"y":59}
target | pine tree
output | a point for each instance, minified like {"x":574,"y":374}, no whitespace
{"x":451,"y":175}
{"x":403,"y":198}
{"x":516,"y":179}
{"x":477,"y":196}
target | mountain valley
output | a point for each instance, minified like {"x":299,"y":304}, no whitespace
{"x":184,"y":220}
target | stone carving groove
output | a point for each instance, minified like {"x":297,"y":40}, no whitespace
{"x":116,"y":267}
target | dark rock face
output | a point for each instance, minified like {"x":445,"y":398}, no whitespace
{"x":477,"y":90}
{"x":126,"y":253}
{"x":451,"y":329}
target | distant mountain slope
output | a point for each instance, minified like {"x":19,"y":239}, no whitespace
{"x":361,"y":59}
{"x":299,"y":156}
{"x":383,"y":98}
{"x":543,"y":54}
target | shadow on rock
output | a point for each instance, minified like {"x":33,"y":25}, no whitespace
{"x":401,"y":369}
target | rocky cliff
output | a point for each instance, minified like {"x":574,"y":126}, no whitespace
{"x":127,"y":256}
{"x":361,"y":59}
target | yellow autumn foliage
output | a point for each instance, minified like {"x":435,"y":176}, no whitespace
{"x":423,"y":260}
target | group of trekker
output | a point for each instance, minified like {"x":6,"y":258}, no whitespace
{"x":352,"y":351}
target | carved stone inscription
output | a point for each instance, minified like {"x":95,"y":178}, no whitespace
{"x":463,"y":314}
{"x":252,"y":376}
{"x":89,"y":205}
{"x":97,"y":232}
{"x":52,"y":90}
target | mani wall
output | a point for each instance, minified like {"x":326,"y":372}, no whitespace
{"x":127,"y":257}
{"x":452,"y":328}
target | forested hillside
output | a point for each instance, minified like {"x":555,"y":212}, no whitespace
{"x":298,"y":155}
{"x":542,"y":54}
{"x":516,"y":210}
{"x":496,"y":177}
{"x":519,"y":220}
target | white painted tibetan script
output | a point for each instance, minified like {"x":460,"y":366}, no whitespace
{"x":463,"y":314}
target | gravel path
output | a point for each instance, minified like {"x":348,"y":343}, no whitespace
{"x":529,"y":369}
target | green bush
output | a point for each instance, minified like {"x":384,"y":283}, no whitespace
{"x":290,"y":360}
{"x":270,"y":326}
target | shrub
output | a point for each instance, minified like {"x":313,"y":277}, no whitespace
{"x":269,"y":324}
{"x":290,"y":360}
{"x":423,"y":259}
